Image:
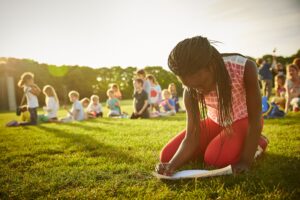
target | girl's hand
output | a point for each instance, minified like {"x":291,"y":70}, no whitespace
{"x":164,"y":169}
{"x":240,"y":168}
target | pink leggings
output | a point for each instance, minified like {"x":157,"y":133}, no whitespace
{"x":216,"y":146}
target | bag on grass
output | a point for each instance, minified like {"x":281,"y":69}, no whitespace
{"x":271,"y":110}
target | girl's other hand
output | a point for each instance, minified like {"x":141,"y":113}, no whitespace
{"x":164,"y":169}
{"x":240,"y":168}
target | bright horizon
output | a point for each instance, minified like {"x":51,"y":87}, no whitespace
{"x":142,"y":33}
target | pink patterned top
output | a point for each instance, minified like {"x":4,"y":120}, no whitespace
{"x":235,"y":65}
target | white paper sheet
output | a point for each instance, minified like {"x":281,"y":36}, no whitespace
{"x":196,"y":173}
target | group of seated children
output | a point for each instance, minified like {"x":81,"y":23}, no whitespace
{"x":147,"y":97}
{"x":150,"y":100}
{"x":29,"y":114}
{"x":287,"y":90}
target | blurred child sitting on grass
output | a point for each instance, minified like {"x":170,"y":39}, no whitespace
{"x":113,"y":104}
{"x":168,"y":104}
{"x":85,"y":103}
{"x":52,"y":105}
{"x":117,"y":91}
{"x":173,"y":91}
{"x":94,"y":109}
{"x":140,"y":100}
{"x":280,"y":91}
{"x":76,"y":113}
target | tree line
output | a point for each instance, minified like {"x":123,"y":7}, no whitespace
{"x":88,"y":81}
{"x":85,"y":80}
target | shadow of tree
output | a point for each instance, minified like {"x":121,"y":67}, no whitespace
{"x":83,"y":126}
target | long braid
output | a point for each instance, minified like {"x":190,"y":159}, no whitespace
{"x":224,"y":88}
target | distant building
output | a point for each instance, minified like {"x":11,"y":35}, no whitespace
{"x":7,"y":88}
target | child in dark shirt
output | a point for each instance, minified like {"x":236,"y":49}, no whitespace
{"x":140,"y":100}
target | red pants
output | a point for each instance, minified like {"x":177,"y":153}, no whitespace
{"x":216,"y":146}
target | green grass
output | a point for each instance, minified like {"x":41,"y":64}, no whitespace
{"x":114,"y":158}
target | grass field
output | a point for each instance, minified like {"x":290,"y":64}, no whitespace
{"x":113,"y":159}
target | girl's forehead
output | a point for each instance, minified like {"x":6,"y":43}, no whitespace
{"x":200,"y":77}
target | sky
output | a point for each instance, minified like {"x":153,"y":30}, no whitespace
{"x":103,"y":33}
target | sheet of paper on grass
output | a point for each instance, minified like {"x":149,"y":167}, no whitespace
{"x":196,"y":173}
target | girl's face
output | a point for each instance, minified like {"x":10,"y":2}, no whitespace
{"x":111,"y":95}
{"x":115,"y":88}
{"x":202,"y":81}
{"x":47,"y":93}
{"x":173,"y":88}
{"x":73,"y":98}
{"x":30,"y":81}
{"x":280,"y":82}
{"x":166,"y":95}
{"x":95,"y":101}
{"x":293,"y":72}
{"x":151,"y":81}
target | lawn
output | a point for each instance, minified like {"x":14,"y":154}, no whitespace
{"x":113,"y":159}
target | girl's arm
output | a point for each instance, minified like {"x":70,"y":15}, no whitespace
{"x":65,"y":107}
{"x":288,"y":97}
{"x":75,"y":114}
{"x":189,"y":144}
{"x":134,"y":108}
{"x":144,"y":107}
{"x":170,"y":106}
{"x":253,"y":98}
{"x":35,"y":89}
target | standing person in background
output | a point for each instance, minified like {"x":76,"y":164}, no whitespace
{"x":155,"y":93}
{"x":147,"y":86}
{"x":31,"y":91}
{"x":292,"y":88}
{"x":265,"y":76}
{"x":117,"y":91}
{"x":52,"y":104}
{"x":140,"y":100}
{"x":173,"y":91}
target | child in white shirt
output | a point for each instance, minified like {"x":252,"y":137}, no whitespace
{"x":52,"y":104}
{"x":77,"y":112}
{"x":94,"y":109}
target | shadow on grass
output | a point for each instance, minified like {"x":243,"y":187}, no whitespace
{"x":269,"y":173}
{"x":83,"y":126}
{"x":170,"y":118}
{"x":89,"y":145}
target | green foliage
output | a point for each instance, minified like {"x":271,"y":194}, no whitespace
{"x":113,"y":159}
{"x":85,"y":80}
{"x":88,"y":81}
